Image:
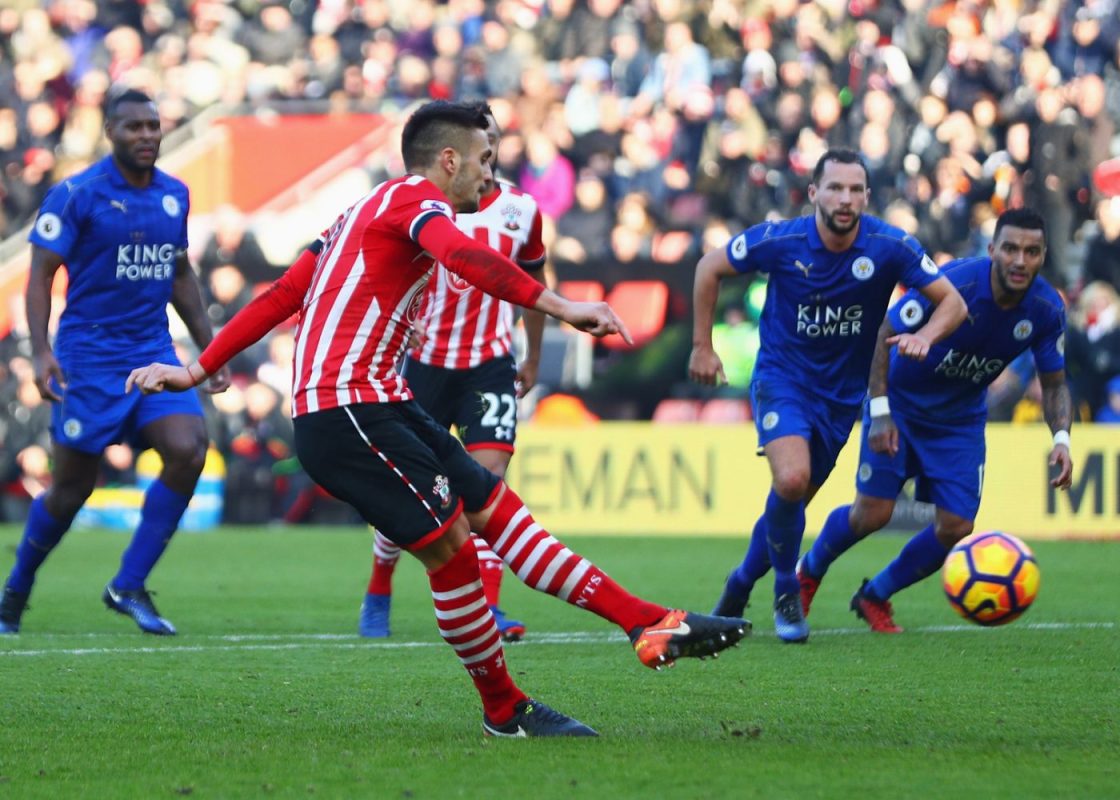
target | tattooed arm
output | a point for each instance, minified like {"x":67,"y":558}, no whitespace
{"x":1057,"y":408}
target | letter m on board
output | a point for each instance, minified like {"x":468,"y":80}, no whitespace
{"x":1091,"y":478}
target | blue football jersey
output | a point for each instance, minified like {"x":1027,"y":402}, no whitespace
{"x":823,"y":309}
{"x":119,"y":244}
{"x":951,"y":384}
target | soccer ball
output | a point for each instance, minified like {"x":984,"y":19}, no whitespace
{"x":990,"y":578}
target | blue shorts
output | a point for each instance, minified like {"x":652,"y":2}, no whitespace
{"x":947,"y":463}
{"x":783,"y":409}
{"x":95,"y":412}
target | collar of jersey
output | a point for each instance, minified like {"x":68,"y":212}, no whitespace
{"x":117,"y":179}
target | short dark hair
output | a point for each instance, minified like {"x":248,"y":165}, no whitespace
{"x":1026,"y":218}
{"x":841,"y":155}
{"x":120,"y":98}
{"x":436,"y":125}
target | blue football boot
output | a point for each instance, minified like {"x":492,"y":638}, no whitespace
{"x":137,"y":603}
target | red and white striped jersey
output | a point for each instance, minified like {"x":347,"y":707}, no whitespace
{"x":461,"y":325}
{"x":365,"y":296}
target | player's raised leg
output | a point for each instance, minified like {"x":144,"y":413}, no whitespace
{"x":74,"y":474}
{"x":659,"y":635}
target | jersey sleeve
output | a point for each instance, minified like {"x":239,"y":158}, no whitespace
{"x":184,"y":240}
{"x":1049,"y":347}
{"x":910,"y":312}
{"x":743,"y":249}
{"x":59,"y":222}
{"x":918,"y":269}
{"x":414,"y":205}
{"x":281,"y":300}
{"x":486,"y":268}
{"x":531,"y":256}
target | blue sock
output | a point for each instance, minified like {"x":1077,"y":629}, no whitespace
{"x":835,"y":539}
{"x":40,"y":536}
{"x":163,"y":508}
{"x":756,"y":562}
{"x":785,"y":525}
{"x":922,"y":556}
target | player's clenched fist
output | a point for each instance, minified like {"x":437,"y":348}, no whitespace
{"x":705,"y":367}
{"x":160,"y":377}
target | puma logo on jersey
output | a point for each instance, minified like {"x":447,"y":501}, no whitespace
{"x":119,"y":204}
{"x":803,"y":267}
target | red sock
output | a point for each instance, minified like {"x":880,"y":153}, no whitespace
{"x":385,"y":558}
{"x":467,"y":625}
{"x":546,"y":565}
{"x":491,"y":568}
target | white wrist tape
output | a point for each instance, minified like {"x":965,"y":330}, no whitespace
{"x":880,"y":407}
{"x":1061,"y":437}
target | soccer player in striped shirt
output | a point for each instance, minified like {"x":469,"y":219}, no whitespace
{"x":360,"y":435}
{"x":926,"y":418}
{"x":463,"y":372}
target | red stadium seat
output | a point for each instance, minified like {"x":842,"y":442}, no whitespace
{"x":581,"y":291}
{"x":726,"y":410}
{"x":674,"y":409}
{"x":642,"y":305}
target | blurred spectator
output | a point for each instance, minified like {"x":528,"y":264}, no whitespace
{"x":584,"y":232}
{"x":1110,"y":411}
{"x":232,"y":243}
{"x":1102,"y":255}
{"x":547,"y":175}
{"x":735,"y":338}
{"x":1093,"y":344}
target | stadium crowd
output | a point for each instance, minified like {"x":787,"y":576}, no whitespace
{"x":648,"y":131}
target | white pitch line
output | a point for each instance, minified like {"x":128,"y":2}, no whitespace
{"x":348,"y":642}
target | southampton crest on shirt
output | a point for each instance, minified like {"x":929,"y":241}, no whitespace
{"x":512,"y":216}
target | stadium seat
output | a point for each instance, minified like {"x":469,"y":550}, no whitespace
{"x":726,"y":410}
{"x":642,"y":305}
{"x":677,"y":409}
{"x":581,"y":291}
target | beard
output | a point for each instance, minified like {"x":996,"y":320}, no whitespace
{"x":834,"y":226}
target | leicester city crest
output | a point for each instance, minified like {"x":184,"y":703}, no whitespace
{"x":1023,"y":330}
{"x":863,"y":268}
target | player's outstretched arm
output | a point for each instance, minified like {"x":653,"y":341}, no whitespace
{"x":704,"y":366}
{"x":186,"y":299}
{"x":883,"y":435}
{"x":1057,"y":408}
{"x":282,"y":299}
{"x":496,"y":275}
{"x":949,"y":313}
{"x":156,"y":378}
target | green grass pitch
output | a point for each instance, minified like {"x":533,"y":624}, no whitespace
{"x":268,"y":691}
